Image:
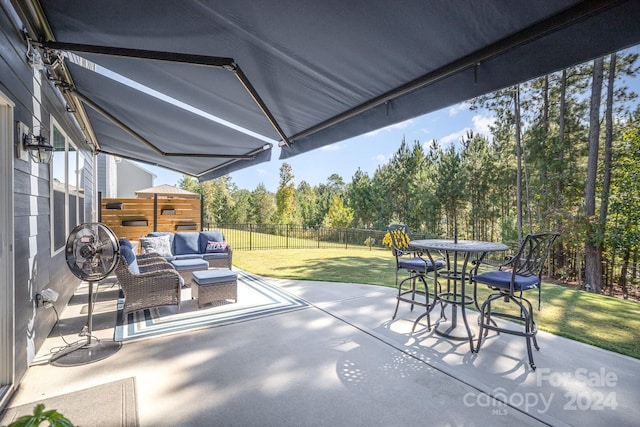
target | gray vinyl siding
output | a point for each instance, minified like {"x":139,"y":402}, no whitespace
{"x":102,"y":174}
{"x":35,"y":267}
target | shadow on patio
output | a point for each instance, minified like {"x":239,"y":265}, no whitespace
{"x":338,"y":361}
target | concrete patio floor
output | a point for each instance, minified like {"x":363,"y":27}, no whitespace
{"x":343,"y":362}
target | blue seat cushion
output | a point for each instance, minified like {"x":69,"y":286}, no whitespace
{"x":130,"y":257}
{"x":188,"y":256}
{"x":502,"y":279}
{"x":186,"y":242}
{"x":215,"y":255}
{"x":419,"y":264}
{"x":190,"y":264}
{"x":209,"y":277}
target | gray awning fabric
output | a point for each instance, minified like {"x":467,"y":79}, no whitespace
{"x":329,"y":70}
{"x":182,"y":135}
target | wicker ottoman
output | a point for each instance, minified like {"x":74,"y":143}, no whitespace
{"x":214,"y":287}
{"x":188,"y":266}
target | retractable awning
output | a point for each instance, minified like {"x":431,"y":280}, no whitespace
{"x":136,"y":125}
{"x":315,"y":72}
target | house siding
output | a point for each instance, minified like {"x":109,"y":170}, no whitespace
{"x":132,"y":178}
{"x":102,"y":175}
{"x":36,"y":268}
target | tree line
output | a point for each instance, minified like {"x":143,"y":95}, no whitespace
{"x":563,"y":154}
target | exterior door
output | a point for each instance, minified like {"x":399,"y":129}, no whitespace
{"x":7,"y":153}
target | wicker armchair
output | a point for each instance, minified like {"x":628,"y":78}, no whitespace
{"x":156,"y":285}
{"x":144,"y":259}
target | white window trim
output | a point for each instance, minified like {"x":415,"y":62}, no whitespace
{"x":67,"y":142}
{"x":7,"y":302}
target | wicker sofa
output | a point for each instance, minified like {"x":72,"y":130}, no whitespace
{"x":208,"y":245}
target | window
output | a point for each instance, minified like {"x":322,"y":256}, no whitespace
{"x":7,"y":292}
{"x":67,"y":188}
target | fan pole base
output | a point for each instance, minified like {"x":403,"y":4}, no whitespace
{"x":86,"y":353}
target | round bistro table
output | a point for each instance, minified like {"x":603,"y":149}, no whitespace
{"x":457,"y":278}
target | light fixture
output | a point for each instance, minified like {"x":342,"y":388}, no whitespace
{"x":39,"y":149}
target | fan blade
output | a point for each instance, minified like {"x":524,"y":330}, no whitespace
{"x":91,"y":251}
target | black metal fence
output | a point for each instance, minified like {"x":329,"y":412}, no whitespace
{"x":287,"y":236}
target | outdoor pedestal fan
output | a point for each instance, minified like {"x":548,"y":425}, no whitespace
{"x":92,"y":254}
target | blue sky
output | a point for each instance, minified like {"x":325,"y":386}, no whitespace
{"x":366,"y":151}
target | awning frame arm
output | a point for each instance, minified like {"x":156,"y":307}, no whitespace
{"x":93,"y":105}
{"x":255,"y":152}
{"x":184,"y":58}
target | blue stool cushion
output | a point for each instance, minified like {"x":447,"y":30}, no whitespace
{"x":189,"y":264}
{"x":502,"y":279}
{"x":419,"y":264}
{"x":209,"y":277}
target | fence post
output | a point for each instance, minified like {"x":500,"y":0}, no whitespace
{"x":287,"y":237}
{"x":155,"y":211}
{"x":318,"y":235}
{"x":201,"y":212}
{"x":250,"y":236}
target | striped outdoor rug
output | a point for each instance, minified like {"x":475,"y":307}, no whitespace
{"x":256,"y":298}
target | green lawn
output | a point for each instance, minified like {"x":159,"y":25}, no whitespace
{"x":603,"y":321}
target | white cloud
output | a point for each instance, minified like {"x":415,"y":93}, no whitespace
{"x":463,"y":106}
{"x":381,"y":159}
{"x":331,"y":147}
{"x":453,"y":137}
{"x":261,"y":172}
{"x":401,"y":125}
{"x":482,"y":124}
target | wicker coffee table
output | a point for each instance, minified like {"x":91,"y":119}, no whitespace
{"x":215,"y":287}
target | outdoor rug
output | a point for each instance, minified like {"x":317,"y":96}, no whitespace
{"x":256,"y":298}
{"x":111,"y":405}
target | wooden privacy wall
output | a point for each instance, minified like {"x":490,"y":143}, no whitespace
{"x":134,"y":218}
